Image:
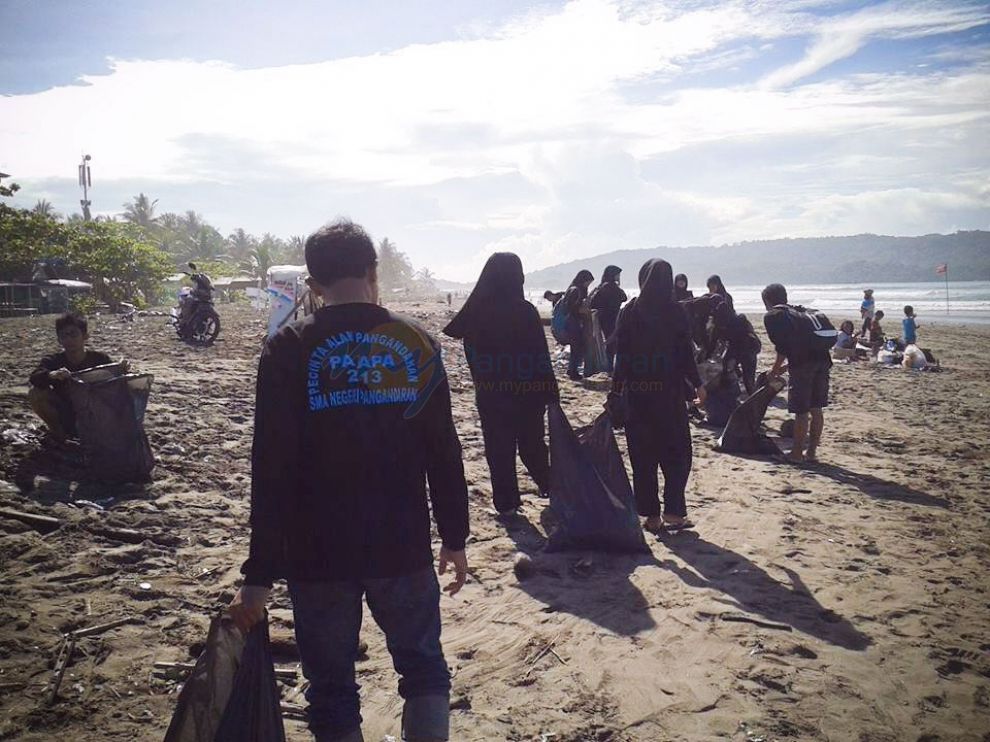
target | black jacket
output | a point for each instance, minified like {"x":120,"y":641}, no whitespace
{"x":352,"y":419}
{"x":654,"y":357}
{"x":608,"y":299}
{"x":39,"y":377}
{"x":508,"y":355}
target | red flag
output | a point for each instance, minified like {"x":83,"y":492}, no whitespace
{"x":941,"y":269}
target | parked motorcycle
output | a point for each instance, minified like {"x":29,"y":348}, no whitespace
{"x":195,"y":319}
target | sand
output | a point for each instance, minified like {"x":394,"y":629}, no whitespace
{"x":842,"y":602}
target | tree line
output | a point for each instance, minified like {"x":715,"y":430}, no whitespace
{"x":128,"y":257}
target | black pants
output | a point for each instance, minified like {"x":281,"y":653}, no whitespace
{"x":668,"y":446}
{"x":747,"y":361}
{"x":579,"y":349}
{"x":509,"y":424}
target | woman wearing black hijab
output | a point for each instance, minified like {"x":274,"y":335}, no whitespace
{"x":507,"y":353}
{"x":607,"y":300}
{"x":577,"y":316}
{"x":681,"y":291}
{"x":715,"y":286}
{"x":654,"y":359}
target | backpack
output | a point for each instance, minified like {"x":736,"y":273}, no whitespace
{"x":813,"y":329}
{"x":558,"y":323}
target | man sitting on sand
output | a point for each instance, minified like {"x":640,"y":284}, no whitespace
{"x":808,"y":369}
{"x":48,"y":394}
{"x":352,"y":416}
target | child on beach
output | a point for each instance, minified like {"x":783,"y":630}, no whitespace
{"x":866,"y":310}
{"x":48,"y":395}
{"x":876,"y":331}
{"x":909,"y":326}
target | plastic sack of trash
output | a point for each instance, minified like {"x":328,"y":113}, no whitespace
{"x":231,"y":695}
{"x":109,"y":405}
{"x":743,"y":433}
{"x":590,"y":494}
{"x":723,"y":398}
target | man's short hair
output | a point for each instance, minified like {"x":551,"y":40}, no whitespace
{"x":774,"y":294}
{"x":71,"y":319}
{"x":341,"y":249}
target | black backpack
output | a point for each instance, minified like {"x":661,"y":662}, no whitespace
{"x":812,"y":329}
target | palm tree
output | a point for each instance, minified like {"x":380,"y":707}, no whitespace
{"x":240,"y":243}
{"x":295,"y":250}
{"x":262,"y":257}
{"x":141,"y":211}
{"x":45,"y":208}
{"x":394,"y":269}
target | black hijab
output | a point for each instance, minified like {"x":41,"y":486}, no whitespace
{"x":583,"y":277}
{"x":501,"y":282}
{"x":718,"y":282}
{"x":611,"y":273}
{"x":656,"y":288}
{"x":680,"y":294}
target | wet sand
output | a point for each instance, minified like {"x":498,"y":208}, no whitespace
{"x":846,"y":601}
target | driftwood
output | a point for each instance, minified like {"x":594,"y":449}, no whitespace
{"x":47,"y":524}
{"x":40,"y":523}
{"x":61,"y":662}
{"x":743,"y":618}
{"x":100,"y":628}
{"x":184,"y":667}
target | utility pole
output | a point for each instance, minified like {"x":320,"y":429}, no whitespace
{"x":86,"y":181}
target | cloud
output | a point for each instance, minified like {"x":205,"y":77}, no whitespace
{"x":527,"y":136}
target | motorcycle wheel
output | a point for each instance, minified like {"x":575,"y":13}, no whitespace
{"x":205,"y":327}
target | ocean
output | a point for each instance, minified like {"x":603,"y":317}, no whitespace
{"x":969,"y":301}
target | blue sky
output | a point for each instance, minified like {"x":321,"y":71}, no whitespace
{"x":556,"y":130}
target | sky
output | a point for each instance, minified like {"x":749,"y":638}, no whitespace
{"x":555,"y":130}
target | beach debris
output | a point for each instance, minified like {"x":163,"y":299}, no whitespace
{"x":40,"y":523}
{"x":144,"y":585}
{"x":293,"y":711}
{"x":523,"y":567}
{"x":548,"y":649}
{"x":743,"y":618}
{"x":65,"y":651}
{"x":178,"y":670}
{"x":100,"y":628}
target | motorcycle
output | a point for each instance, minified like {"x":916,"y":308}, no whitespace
{"x":195,"y":319}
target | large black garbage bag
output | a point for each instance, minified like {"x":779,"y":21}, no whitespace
{"x":589,"y":491}
{"x":743,"y":433}
{"x":109,"y":405}
{"x":231,"y":694}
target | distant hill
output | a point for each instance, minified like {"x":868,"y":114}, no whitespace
{"x":860,"y":258}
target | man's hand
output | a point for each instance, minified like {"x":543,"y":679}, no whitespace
{"x":60,"y":374}
{"x":459,"y":561}
{"x":248,"y":606}
{"x":701,"y":396}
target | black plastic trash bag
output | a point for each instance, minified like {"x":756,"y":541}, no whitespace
{"x":109,"y":405}
{"x":743,"y":433}
{"x":723,"y":398}
{"x":231,"y":694}
{"x":589,"y":491}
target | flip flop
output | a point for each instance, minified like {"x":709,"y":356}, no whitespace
{"x":685,"y":525}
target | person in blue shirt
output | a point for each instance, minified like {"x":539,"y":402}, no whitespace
{"x":866,"y":310}
{"x":910,"y":326}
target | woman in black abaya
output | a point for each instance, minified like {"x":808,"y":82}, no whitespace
{"x":507,"y":353}
{"x":654,"y":359}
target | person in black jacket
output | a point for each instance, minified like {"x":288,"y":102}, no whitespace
{"x":742,"y":346}
{"x":507,"y":353}
{"x":681,"y":291}
{"x":352,"y":419}
{"x":575,"y":299}
{"x":654,"y":359}
{"x":48,"y":394}
{"x":607,"y":299}
{"x":715,"y":286}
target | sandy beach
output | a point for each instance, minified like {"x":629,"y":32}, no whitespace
{"x":845,"y":601}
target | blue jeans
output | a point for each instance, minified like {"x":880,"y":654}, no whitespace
{"x":328,"y":625}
